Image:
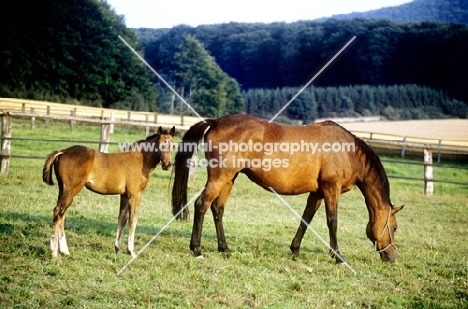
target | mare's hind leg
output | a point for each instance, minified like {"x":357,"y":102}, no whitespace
{"x":217,"y":209}
{"x":122,"y":221}
{"x":313,"y":204}
{"x":202,"y":204}
{"x":332,"y":195}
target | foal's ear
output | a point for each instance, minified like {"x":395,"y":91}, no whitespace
{"x":159,"y":130}
{"x":397,"y":209}
{"x":172,"y":131}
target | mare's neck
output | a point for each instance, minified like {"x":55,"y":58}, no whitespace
{"x":375,"y":187}
{"x":374,"y":199}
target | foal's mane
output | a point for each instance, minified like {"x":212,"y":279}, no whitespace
{"x":376,"y":172}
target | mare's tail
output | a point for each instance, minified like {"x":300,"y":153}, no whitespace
{"x":187,"y":147}
{"x":47,"y":170}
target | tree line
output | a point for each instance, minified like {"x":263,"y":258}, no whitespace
{"x":69,"y":51}
{"x":278,"y":55}
{"x":397,"y":102}
{"x":448,"y":11}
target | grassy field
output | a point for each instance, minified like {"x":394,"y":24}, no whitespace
{"x":431,"y":270}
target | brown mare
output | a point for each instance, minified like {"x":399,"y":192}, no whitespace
{"x":125,"y":173}
{"x":324,"y":174}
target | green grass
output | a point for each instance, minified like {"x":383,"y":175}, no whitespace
{"x":431,"y":270}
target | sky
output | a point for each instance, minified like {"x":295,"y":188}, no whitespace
{"x":170,"y":13}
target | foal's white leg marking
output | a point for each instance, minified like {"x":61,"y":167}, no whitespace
{"x":131,"y":243}
{"x":63,"y":245}
{"x":117,"y":243}
{"x":53,"y":246}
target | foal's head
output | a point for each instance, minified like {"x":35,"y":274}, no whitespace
{"x":381,"y":231}
{"x":166,"y":146}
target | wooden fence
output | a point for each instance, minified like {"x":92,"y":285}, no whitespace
{"x":88,"y":112}
{"x":106,"y":128}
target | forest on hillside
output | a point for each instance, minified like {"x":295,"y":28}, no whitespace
{"x":447,"y":11}
{"x":397,"y":102}
{"x":274,"y":58}
{"x":287,"y":55}
{"x":68,"y":51}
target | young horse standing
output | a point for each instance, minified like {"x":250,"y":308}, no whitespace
{"x":323,"y":173}
{"x":125,"y":173}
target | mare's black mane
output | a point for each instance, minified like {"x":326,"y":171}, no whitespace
{"x":373,"y":162}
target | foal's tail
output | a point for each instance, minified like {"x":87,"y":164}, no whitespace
{"x":47,"y":170}
{"x":187,"y":147}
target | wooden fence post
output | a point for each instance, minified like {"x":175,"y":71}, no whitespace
{"x":147,"y":129}
{"x":33,"y":120}
{"x":6,"y":143}
{"x":403,"y":148}
{"x":47,"y":113}
{"x":72,"y":122}
{"x":105,"y":137}
{"x":428,"y":183}
{"x":112,"y":118}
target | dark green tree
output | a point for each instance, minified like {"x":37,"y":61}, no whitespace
{"x":209,"y":90}
{"x":67,"y":51}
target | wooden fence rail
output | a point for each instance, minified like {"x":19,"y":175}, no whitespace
{"x":81,"y":111}
{"x":107,"y":124}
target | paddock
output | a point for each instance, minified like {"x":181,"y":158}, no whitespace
{"x":430,"y":269}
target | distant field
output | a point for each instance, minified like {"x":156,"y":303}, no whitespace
{"x":444,"y":129}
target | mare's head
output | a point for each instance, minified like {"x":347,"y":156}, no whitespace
{"x":381,"y":232}
{"x":165,"y":146}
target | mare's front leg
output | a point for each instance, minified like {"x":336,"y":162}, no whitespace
{"x":313,"y":204}
{"x":332,"y":195}
{"x":133,"y":203}
{"x":122,"y":221}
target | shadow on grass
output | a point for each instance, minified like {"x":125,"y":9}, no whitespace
{"x":30,"y":234}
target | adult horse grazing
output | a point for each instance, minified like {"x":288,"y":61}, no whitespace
{"x":125,"y":173}
{"x":323,"y":159}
